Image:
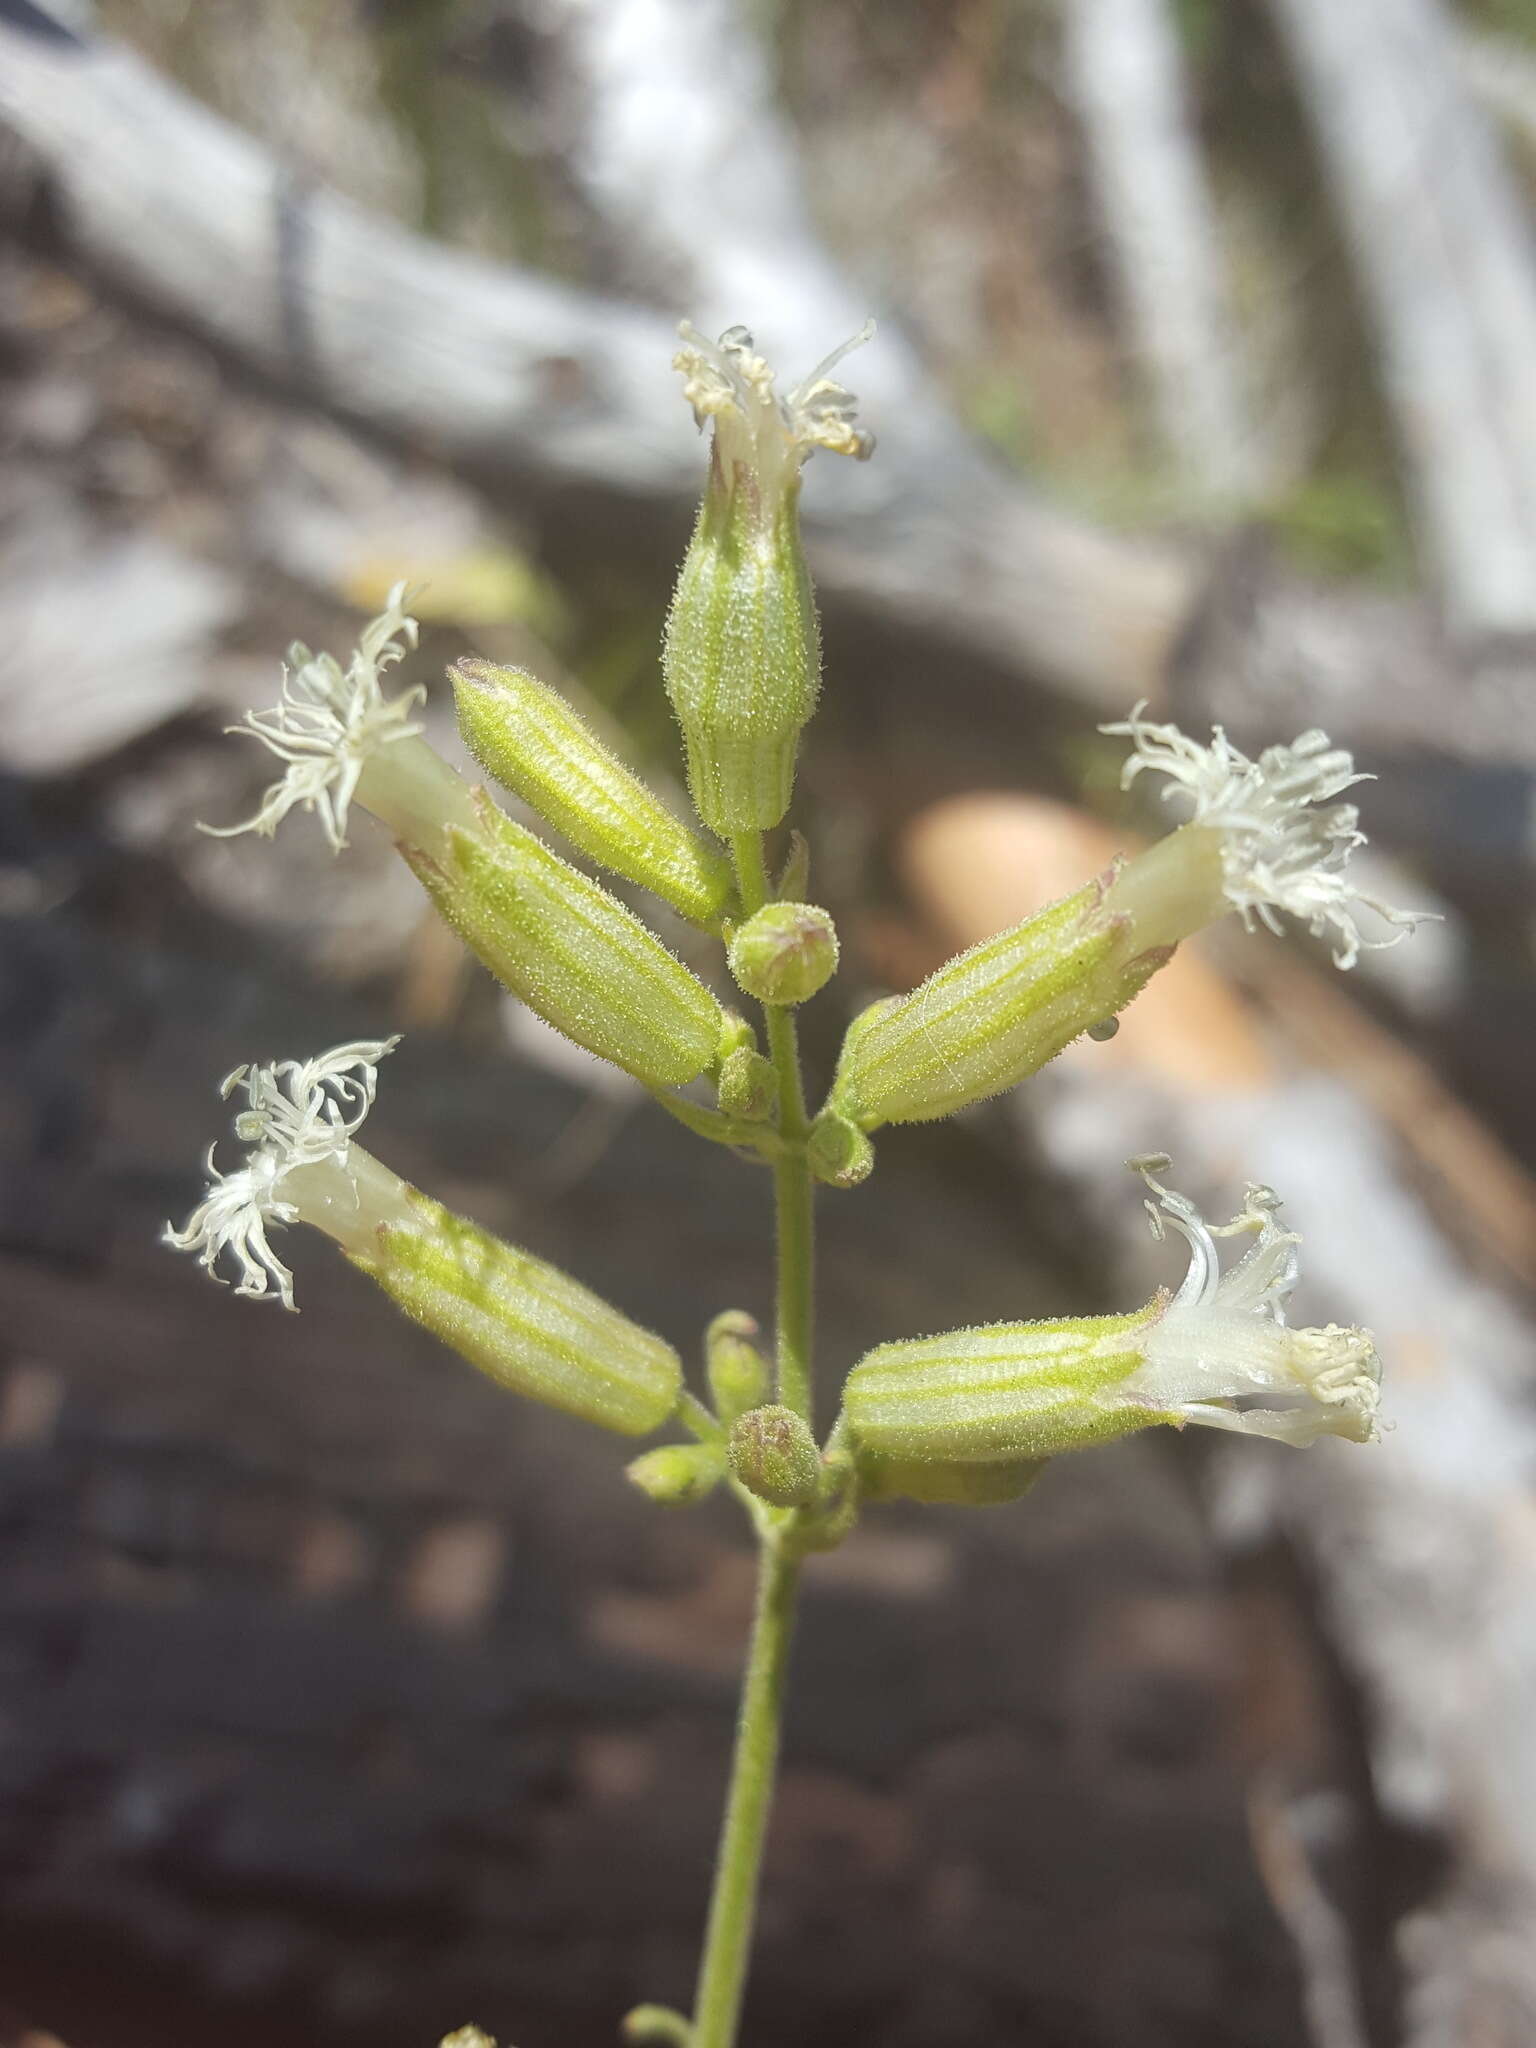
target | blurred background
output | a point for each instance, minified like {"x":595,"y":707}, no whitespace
{"x":343,"y":1700}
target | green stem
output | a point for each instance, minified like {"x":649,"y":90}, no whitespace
{"x":709,"y":1123}
{"x":738,"y":1865}
{"x":793,"y":1187}
{"x":792,"y":1200}
{"x":733,"y":1906}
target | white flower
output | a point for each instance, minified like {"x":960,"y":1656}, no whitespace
{"x":1220,"y":1353}
{"x":330,"y":722}
{"x":728,"y":382}
{"x":1284,"y":843}
{"x":301,"y":1114}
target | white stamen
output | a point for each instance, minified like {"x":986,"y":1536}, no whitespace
{"x":1284,"y":843}
{"x":1220,"y":1354}
{"x":330,"y":722}
{"x":728,"y":382}
{"x":300,"y":1114}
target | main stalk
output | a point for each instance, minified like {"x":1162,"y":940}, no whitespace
{"x":754,"y":1763}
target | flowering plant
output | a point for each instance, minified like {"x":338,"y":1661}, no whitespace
{"x":972,"y":1415}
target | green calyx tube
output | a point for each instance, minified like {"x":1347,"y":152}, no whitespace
{"x":571,"y":951}
{"x":742,"y":652}
{"x":527,"y":1325}
{"x":538,"y":745}
{"x":993,"y":1015}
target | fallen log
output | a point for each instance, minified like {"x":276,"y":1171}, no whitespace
{"x":530,"y":383}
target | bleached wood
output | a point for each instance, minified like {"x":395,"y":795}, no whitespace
{"x":535,"y":383}
{"x":1445,"y":256}
{"x":1125,"y":76}
{"x":518,"y":373}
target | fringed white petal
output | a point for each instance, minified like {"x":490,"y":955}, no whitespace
{"x":328,"y":723}
{"x":300,"y":1113}
{"x":1221,"y":1355}
{"x":1285,"y":843}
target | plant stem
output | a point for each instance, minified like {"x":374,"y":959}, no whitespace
{"x":792,"y":1199}
{"x":793,"y":1187}
{"x":738,"y":1864}
{"x":733,"y":1905}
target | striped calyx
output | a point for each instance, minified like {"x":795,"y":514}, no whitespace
{"x":999,"y":1394}
{"x":991,"y":1016}
{"x":742,"y":652}
{"x":571,"y":951}
{"x":1218,"y":1352}
{"x":527,"y":1325}
{"x":534,"y":741}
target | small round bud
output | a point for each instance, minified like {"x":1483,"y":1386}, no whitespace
{"x":748,"y":1086}
{"x":677,"y":1475}
{"x":838,"y":1151}
{"x":774,"y":1455}
{"x":737,"y":1370}
{"x":785,"y":952}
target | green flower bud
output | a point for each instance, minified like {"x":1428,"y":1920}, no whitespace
{"x":1217,"y":1353}
{"x":738,"y":1372}
{"x":785,"y":952}
{"x":677,"y":1475}
{"x":939,"y":1484}
{"x":838,"y":1151}
{"x":748,"y":1086}
{"x":571,"y":951}
{"x":530,"y":1327}
{"x":774,"y":1455}
{"x":532,"y":740}
{"x":742,"y":653}
{"x":992,"y":1015}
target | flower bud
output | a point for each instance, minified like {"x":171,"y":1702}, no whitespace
{"x":936,"y":1483}
{"x":677,"y":1475}
{"x":774,"y":1455}
{"x":742,"y":653}
{"x":992,"y":1015}
{"x":838,"y":1151}
{"x":535,"y":742}
{"x":571,"y":951}
{"x":748,"y":1087}
{"x":467,"y":2037}
{"x":738,"y":1372}
{"x":1218,"y":1353}
{"x":785,"y":952}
